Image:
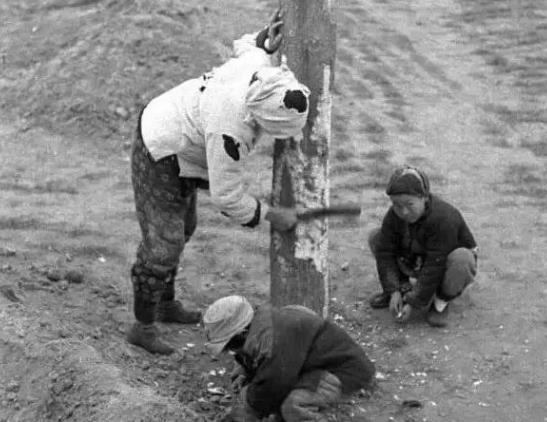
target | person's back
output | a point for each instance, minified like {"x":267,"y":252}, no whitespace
{"x":334,"y":350}
{"x":292,"y":362}
{"x":177,"y":121}
{"x":292,"y":348}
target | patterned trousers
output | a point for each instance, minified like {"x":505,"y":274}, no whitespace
{"x":166,"y":211}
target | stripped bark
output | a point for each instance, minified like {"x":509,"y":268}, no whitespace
{"x":299,"y":271}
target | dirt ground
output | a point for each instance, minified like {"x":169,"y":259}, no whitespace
{"x":457,"y":87}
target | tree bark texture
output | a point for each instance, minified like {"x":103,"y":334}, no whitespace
{"x":299,"y":271}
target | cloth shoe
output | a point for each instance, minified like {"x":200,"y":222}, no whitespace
{"x":380,"y":300}
{"x":436,"y":318}
{"x":147,"y":337}
{"x":173,"y":311}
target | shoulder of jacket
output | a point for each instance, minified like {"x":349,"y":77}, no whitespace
{"x":259,"y":343}
{"x":441,"y":208}
{"x":226,"y":113}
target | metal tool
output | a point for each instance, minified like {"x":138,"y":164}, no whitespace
{"x":335,"y":210}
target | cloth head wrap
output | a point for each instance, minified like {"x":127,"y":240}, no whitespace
{"x":408,"y":180}
{"x":224,"y":319}
{"x":278,"y":102}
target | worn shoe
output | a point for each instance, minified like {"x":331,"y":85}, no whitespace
{"x":380,"y":300}
{"x":436,"y":318}
{"x":173,"y":311}
{"x":147,"y":337}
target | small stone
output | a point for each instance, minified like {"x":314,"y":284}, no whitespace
{"x":6,"y":251}
{"x":74,"y":276}
{"x":63,"y":333}
{"x":122,"y":112}
{"x":54,"y":274}
{"x":344,"y":266}
{"x":161,"y":373}
{"x":225,"y":400}
{"x":13,"y":386}
{"x":215,"y":390}
{"x":380,"y":376}
{"x":9,"y":293}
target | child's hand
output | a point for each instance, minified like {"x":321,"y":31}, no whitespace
{"x":404,"y":315}
{"x":396,"y":304}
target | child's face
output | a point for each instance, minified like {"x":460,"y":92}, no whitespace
{"x":408,"y":207}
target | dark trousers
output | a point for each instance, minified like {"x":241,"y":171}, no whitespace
{"x":461,"y":268}
{"x":166,"y":212}
{"x":304,"y":404}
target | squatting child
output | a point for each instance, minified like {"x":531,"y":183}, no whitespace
{"x":425,"y":238}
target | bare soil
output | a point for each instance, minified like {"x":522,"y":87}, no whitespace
{"x":457,"y":87}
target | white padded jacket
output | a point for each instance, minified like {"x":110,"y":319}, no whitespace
{"x":204,"y":122}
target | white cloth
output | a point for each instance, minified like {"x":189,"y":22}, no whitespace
{"x":265,"y":102}
{"x":194,"y":119}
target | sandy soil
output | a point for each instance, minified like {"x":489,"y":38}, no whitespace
{"x":457,"y":87}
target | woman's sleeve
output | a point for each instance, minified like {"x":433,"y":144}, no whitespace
{"x":386,"y":259}
{"x":226,"y":156}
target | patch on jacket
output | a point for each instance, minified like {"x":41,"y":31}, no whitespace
{"x":205,"y":77}
{"x":254,"y":78}
{"x":295,"y":99}
{"x":231,"y":147}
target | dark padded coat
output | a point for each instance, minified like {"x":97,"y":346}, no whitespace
{"x":283,"y":344}
{"x":429,"y":240}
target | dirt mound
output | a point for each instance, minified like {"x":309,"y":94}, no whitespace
{"x":66,"y":379}
{"x":455,"y":87}
{"x":87,"y":67}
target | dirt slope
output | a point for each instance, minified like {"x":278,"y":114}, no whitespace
{"x":457,"y":87}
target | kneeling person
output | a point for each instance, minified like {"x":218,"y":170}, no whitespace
{"x":425,"y":238}
{"x":294,"y":363}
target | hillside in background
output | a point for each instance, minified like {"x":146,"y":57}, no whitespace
{"x":87,"y":67}
{"x":456,"y":87}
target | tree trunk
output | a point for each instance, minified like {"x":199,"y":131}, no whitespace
{"x":299,"y":268}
